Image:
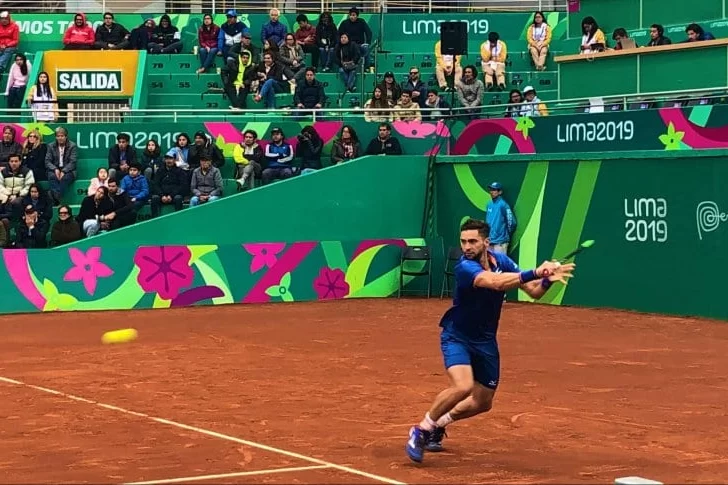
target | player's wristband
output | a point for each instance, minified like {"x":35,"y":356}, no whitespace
{"x":546,"y":283}
{"x":528,"y":276}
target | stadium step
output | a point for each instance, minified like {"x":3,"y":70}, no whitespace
{"x":186,"y":83}
{"x":175,"y":63}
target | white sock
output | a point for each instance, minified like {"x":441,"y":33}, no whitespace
{"x":428,"y":424}
{"x":444,"y":420}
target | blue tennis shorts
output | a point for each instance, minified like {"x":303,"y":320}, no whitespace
{"x":483,"y":358}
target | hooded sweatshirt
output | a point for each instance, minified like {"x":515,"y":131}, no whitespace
{"x":9,"y":34}
{"x":136,"y":187}
{"x":166,"y":36}
{"x":231,"y":34}
{"x":79,"y":35}
{"x":245,"y":71}
{"x":142,"y":35}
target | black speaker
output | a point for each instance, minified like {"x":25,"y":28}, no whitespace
{"x":454,"y":38}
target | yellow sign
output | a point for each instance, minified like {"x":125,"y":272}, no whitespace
{"x":76,"y":74}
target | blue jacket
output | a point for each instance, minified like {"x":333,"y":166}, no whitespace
{"x":278,"y":156}
{"x":230,"y":34}
{"x":136,"y":188}
{"x":501,"y":220}
{"x":274,"y":32}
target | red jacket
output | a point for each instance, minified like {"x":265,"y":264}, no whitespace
{"x":79,"y":35}
{"x":301,"y":35}
{"x":9,"y":34}
{"x":208,"y":38}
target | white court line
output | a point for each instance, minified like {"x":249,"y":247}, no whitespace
{"x":214,"y":434}
{"x":231,"y":475}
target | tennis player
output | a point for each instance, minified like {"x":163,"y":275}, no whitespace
{"x":469,"y":328}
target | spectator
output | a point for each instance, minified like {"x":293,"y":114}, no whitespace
{"x":347,"y":55}
{"x":309,"y":150}
{"x":326,"y":38}
{"x":110,"y":35}
{"x":166,"y":38}
{"x":346,"y":147}
{"x":66,"y":229}
{"x":60,"y":164}
{"x":135,"y":185}
{"x":79,"y":35}
{"x":169,"y":186}
{"x":310,"y":93}
{"x":100,"y":180}
{"x":532,"y":106}
{"x":415,"y":85}
{"x":238,"y":79}
{"x":208,"y":38}
{"x":696,"y":33}
{"x":270,"y":48}
{"x":204,"y":146}
{"x":500,"y":218}
{"x":9,"y":39}
{"x":273,"y":31}
{"x":247,"y":45}
{"x":592,"y":39}
{"x":17,"y":81}
{"x":378,"y":107}
{"x":248,"y":157}
{"x":406,"y":109}
{"x":206,"y":183}
{"x":32,"y":231}
{"x":38,"y":198}
{"x":447,"y":70}
{"x":619,"y":35}
{"x":123,"y":209}
{"x":539,"y":38}
{"x":657,"y":36}
{"x":272,"y":77}
{"x":493,"y":54}
{"x":151,"y":159}
{"x":292,"y":56}
{"x":15,"y":182}
{"x":390,"y":89}
{"x":8,"y":146}
{"x":121,"y":156}
{"x":440,"y":108}
{"x":181,"y":151}
{"x":33,"y":154}
{"x":278,"y":155}
{"x":358,"y":33}
{"x":142,"y":36}
{"x":384,"y":143}
{"x":230,"y":35}
{"x":93,"y":210}
{"x":42,"y":100}
{"x":306,"y":38}
{"x":470,"y":92}
{"x":515,"y":103}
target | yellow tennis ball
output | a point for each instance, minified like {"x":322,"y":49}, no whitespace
{"x":119,"y":336}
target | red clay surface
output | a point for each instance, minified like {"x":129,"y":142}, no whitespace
{"x":585,"y":396}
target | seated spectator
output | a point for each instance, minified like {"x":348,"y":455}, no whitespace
{"x":181,"y":151}
{"x":142,"y":36}
{"x":696,"y":33}
{"x":151,"y":159}
{"x":42,"y":100}
{"x":230,"y":36}
{"x":309,"y":150}
{"x":79,"y":35}
{"x":378,"y":107}
{"x":515,"y":100}
{"x":272,"y":48}
{"x":310,"y":93}
{"x":384,"y":143}
{"x":272,"y":79}
{"x":136,"y":186}
{"x":110,"y":35}
{"x":33,"y":154}
{"x":238,"y":77}
{"x":348,"y":56}
{"x":415,"y":85}
{"x":208,"y":39}
{"x":121,"y":156}
{"x":66,"y":229}
{"x":470,"y":93}
{"x":100,"y":180}
{"x":657,"y":36}
{"x":247,"y":45}
{"x":169,"y":186}
{"x":38,"y":198}
{"x":9,"y":39}
{"x":32,"y":231}
{"x":17,"y":81}
{"x":273,"y":31}
{"x":206,"y":185}
{"x":493,"y":54}
{"x":204,"y":146}
{"x":94,"y":208}
{"x":15,"y":183}
{"x":306,"y":38}
{"x":406,"y":109}
{"x":539,"y":38}
{"x":390,"y":89}
{"x":447,"y":69}
{"x":441,"y":108}
{"x":278,"y":156}
{"x":326,"y":39}
{"x":619,"y":35}
{"x":532,"y":106}
{"x":592,"y":39}
{"x":346,"y":147}
{"x":248,"y":157}
{"x":359,"y":34}
{"x":292,"y":56}
{"x":123,"y":209}
{"x":8,"y":146}
{"x":60,"y":164}
{"x":166,"y":38}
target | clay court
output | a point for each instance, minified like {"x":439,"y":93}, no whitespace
{"x":325,"y":393}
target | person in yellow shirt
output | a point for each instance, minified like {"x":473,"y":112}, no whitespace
{"x":493,"y":53}
{"x":539,"y":38}
{"x":448,"y":69}
{"x":592,"y":35}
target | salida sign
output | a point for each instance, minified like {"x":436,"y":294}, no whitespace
{"x":88,"y":81}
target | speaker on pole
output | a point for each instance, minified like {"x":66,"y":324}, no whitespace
{"x":454,"y":38}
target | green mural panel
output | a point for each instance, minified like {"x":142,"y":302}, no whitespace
{"x":668,"y":72}
{"x":674,"y":12}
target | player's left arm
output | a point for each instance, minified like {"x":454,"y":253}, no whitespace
{"x":537,"y":289}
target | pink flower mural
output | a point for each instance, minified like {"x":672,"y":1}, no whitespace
{"x":330,"y":284}
{"x":164,"y":269}
{"x":264,"y":254}
{"x":87,"y":268}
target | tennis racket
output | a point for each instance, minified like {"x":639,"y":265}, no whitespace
{"x":582,"y":247}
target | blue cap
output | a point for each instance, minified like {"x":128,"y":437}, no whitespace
{"x":495,"y":186}
{"x":232,"y":13}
